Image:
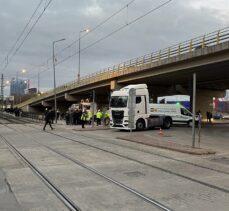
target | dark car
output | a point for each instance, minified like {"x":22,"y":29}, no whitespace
{"x":217,"y":115}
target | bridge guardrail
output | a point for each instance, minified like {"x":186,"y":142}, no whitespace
{"x":201,"y":42}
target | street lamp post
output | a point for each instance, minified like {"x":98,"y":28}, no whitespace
{"x":2,"y":91}
{"x":54,"y":74}
{"x":38,"y":81}
{"x":85,"y":30}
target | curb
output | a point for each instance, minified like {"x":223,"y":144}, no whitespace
{"x":168,"y":145}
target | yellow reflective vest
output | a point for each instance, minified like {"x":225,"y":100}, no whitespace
{"x":83,"y":117}
{"x":99,"y":114}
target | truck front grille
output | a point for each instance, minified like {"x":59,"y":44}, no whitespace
{"x":117,"y":117}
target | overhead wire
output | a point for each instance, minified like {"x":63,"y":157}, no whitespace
{"x":113,"y":32}
{"x":22,"y":32}
{"x":99,"y":25}
{"x":93,"y":29}
{"x":90,"y":31}
{"x":117,"y":30}
{"x":29,"y":32}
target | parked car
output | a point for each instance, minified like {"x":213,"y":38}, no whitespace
{"x":217,"y":115}
{"x":226,"y":116}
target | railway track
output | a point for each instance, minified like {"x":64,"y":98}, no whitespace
{"x":153,"y":166}
{"x":21,"y":121}
{"x":63,"y":196}
{"x":148,"y":199}
{"x":153,"y":153}
{"x":147,"y":164}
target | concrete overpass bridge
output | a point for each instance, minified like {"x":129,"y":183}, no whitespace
{"x":166,"y":72}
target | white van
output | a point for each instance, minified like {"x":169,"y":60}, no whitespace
{"x":179,"y":114}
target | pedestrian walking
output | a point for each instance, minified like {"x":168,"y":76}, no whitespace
{"x":48,"y":120}
{"x":209,"y":116}
{"x":52,"y":116}
{"x":57,"y":114}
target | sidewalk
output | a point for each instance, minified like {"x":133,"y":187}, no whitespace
{"x":165,"y":144}
{"x":62,"y":124}
{"x":176,"y":139}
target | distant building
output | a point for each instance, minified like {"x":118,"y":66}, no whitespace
{"x":18,"y":86}
{"x":31,"y":91}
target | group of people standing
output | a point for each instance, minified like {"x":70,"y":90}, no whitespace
{"x":82,"y":117}
{"x":72,"y":117}
{"x":78,"y":116}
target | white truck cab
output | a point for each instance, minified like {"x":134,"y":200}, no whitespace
{"x":129,"y":109}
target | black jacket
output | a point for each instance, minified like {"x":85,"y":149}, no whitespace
{"x":49,"y":116}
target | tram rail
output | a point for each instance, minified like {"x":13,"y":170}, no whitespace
{"x":148,"y":199}
{"x":63,"y":198}
{"x":99,"y":173}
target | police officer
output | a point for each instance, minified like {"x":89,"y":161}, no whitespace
{"x":98,"y":117}
{"x":89,"y":115}
{"x":106,"y":118}
{"x":83,"y":118}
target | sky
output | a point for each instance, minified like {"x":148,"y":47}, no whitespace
{"x":177,"y":21}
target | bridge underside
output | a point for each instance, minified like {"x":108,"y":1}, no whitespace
{"x":166,"y":77}
{"x":212,"y":80}
{"x":211,"y":77}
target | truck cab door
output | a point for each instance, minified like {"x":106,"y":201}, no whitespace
{"x":141,"y":105}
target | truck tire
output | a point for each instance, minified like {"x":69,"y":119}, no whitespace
{"x":167,"y":123}
{"x":140,"y":124}
{"x":190,"y":123}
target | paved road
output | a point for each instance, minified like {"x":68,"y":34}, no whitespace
{"x":176,"y":180}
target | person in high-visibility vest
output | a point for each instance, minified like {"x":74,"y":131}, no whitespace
{"x":106,"y":117}
{"x":83,"y":118}
{"x":98,"y":117}
{"x":89,"y":116}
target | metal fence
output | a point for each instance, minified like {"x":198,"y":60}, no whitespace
{"x":128,"y":67}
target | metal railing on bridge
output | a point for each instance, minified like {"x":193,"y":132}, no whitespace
{"x":128,"y":67}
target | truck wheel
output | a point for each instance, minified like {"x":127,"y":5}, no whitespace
{"x":140,"y":124}
{"x":190,"y":123}
{"x":167,"y":123}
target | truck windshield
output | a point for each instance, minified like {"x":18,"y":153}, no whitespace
{"x":118,"y":101}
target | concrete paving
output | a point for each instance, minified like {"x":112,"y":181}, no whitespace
{"x":213,"y":137}
{"x":180,"y":181}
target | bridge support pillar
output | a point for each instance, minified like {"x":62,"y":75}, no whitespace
{"x":70,"y":98}
{"x":114,"y":85}
{"x":204,"y":100}
{"x":45,"y":104}
{"x":29,"y":108}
